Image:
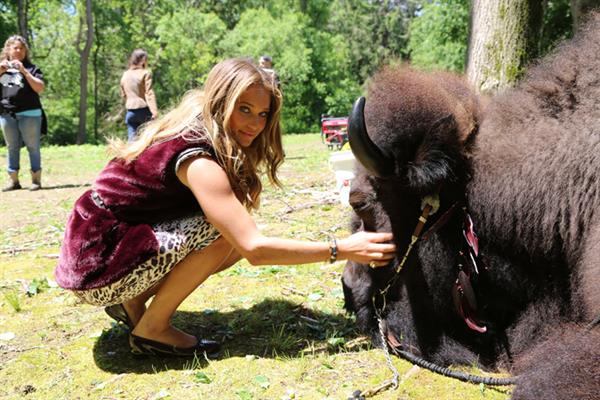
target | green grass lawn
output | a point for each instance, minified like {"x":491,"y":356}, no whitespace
{"x":283,"y":329}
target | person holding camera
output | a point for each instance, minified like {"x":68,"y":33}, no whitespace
{"x":21,"y":113}
{"x":136,"y":90}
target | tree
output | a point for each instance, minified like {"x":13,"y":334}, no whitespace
{"x":84,"y":54}
{"x":504,"y":34}
{"x":7,"y":19}
{"x":323,"y":51}
{"x":22,"y":8}
{"x":189,"y":45}
{"x":376,"y":31}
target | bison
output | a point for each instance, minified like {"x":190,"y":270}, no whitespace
{"x":506,"y":273}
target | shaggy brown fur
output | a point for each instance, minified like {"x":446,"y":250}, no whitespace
{"x":574,"y":376}
{"x":538,"y":149}
{"x":528,"y":168}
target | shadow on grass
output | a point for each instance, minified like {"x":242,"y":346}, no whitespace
{"x":272,"y":328}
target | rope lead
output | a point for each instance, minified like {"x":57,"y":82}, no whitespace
{"x":429,"y":207}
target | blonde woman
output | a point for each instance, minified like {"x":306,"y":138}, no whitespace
{"x":21,"y":113}
{"x":173,"y":208}
{"x":136,"y":90}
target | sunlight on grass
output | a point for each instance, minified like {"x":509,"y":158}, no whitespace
{"x":12,"y":298}
{"x":283,"y":330}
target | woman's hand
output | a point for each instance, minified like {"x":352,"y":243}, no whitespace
{"x":368,"y":248}
{"x":4,"y":66}
{"x":18,"y":65}
{"x":36,"y":84}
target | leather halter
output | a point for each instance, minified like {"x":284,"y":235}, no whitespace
{"x":463,"y":295}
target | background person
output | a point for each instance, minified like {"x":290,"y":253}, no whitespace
{"x":173,"y":208}
{"x":21,"y":82}
{"x":136,"y":90}
{"x":266,"y":63}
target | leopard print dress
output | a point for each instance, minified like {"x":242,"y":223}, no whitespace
{"x":176,"y":239}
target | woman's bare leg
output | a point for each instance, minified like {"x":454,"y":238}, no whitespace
{"x":136,"y":307}
{"x":186,"y":276}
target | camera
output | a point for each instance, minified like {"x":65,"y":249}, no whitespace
{"x":12,"y":65}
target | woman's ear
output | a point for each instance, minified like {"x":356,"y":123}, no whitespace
{"x":435,"y":157}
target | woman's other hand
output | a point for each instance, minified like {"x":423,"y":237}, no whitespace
{"x":4,"y":64}
{"x":368,"y":248}
{"x":18,"y":65}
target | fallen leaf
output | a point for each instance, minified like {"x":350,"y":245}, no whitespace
{"x":244,"y":394}
{"x":263,"y":381}
{"x":315,"y":296}
{"x":201,"y":377}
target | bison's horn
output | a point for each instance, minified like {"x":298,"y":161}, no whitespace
{"x":365,"y":151}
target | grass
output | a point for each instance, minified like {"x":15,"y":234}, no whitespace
{"x":284,"y":332}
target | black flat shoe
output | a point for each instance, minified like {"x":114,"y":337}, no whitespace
{"x":118,"y":313}
{"x":147,"y":347}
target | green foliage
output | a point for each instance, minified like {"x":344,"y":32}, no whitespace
{"x":376,"y":31}
{"x":332,"y":80}
{"x":188,"y":48}
{"x":229,"y":11}
{"x":8,"y":19}
{"x":37,"y":285}
{"x":284,"y":39}
{"x":439,"y":36}
{"x":54,"y":53}
{"x":557,"y":24}
{"x":201,"y":377}
{"x":12,"y":298}
{"x":323,"y":50}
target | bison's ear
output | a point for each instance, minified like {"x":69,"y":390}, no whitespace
{"x":435,"y":158}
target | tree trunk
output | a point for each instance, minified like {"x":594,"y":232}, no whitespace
{"x":84,"y":61}
{"x":503,"y":35}
{"x":579,"y":8}
{"x":22,"y":16}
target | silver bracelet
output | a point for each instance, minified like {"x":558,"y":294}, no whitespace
{"x":333,"y":250}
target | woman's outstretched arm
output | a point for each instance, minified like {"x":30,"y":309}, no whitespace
{"x":209,"y":183}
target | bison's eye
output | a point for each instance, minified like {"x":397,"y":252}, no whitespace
{"x":359,"y":200}
{"x":360,"y":206}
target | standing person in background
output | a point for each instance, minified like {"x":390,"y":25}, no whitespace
{"x":21,"y":82}
{"x":136,"y":90}
{"x":266,"y":63}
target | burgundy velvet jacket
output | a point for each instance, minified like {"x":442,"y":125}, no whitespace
{"x":102,"y":245}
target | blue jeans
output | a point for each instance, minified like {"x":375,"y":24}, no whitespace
{"x":18,"y":130}
{"x":134,"y":118}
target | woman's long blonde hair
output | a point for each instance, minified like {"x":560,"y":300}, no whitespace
{"x":207,"y":113}
{"x":9,"y":42}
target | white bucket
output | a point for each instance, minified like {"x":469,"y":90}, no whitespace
{"x":342,"y":160}
{"x":342,"y":163}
